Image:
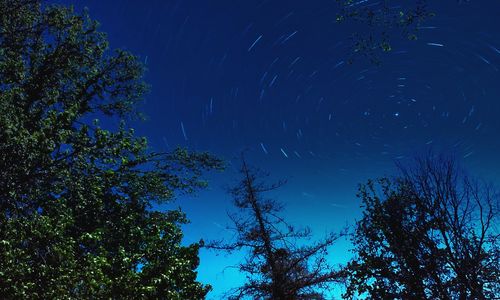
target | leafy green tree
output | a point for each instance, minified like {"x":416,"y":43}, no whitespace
{"x":281,"y":262}
{"x":76,"y":200}
{"x":428,"y":234}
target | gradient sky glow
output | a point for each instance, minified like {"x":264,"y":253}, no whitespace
{"x":270,"y":76}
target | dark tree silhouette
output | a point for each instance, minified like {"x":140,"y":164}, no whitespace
{"x":277,"y":266}
{"x":430,"y":233}
{"x":76,"y":200}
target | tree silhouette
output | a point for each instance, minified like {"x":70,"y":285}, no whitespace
{"x":76,"y":200}
{"x":277,"y":265}
{"x":430,"y":233}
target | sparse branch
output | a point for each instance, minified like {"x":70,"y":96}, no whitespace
{"x":276,"y":266}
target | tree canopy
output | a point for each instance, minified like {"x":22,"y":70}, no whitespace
{"x":77,"y":201}
{"x":427,"y":234}
{"x":377,"y":25}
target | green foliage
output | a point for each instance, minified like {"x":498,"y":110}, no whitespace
{"x":379,"y":24}
{"x":76,"y":200}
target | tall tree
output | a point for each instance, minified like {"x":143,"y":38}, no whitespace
{"x":277,"y":265}
{"x":428,"y":234}
{"x":76,"y":200}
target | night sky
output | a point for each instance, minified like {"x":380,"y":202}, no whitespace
{"x":271,"y":77}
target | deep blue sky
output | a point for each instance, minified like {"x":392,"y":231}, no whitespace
{"x":229,"y":75}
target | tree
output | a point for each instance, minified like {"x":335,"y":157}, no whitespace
{"x":277,"y":266}
{"x":77,"y":217}
{"x":427,"y":234}
{"x":380,"y":24}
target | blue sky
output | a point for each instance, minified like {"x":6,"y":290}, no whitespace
{"x":270,"y":77}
